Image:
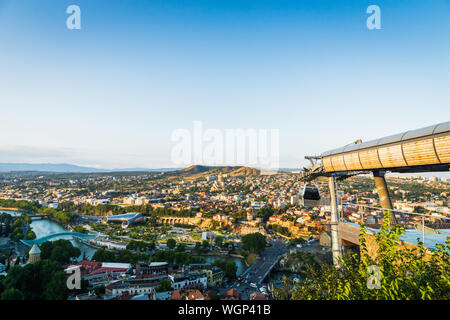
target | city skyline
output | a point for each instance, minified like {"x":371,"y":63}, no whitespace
{"x":110,"y":94}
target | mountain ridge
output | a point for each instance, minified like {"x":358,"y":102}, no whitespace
{"x":68,"y":168}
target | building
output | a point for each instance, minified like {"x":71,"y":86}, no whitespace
{"x":199,"y":280}
{"x":125,"y":219}
{"x":231,"y":294}
{"x":35,"y":254}
{"x":251,"y":215}
{"x":187,"y":295}
{"x":206,"y":235}
{"x":258,"y":296}
{"x":107,"y":272}
{"x":214,"y":275}
{"x":126,"y":287}
{"x":154,"y":267}
{"x":109,"y":244}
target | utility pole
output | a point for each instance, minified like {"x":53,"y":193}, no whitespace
{"x":334,"y":221}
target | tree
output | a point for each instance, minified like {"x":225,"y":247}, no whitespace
{"x":79,"y":229}
{"x":419,"y":209}
{"x":171,"y":243}
{"x":218,"y":241}
{"x":205,"y":245}
{"x":229,"y":267}
{"x":99,"y":290}
{"x":61,"y":251}
{"x":11,"y":294}
{"x":401,"y":273}
{"x":254,"y":242}
{"x":31,"y":235}
{"x":164,"y":286}
{"x":42,"y":280}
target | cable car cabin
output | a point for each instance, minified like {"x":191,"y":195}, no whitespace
{"x":309,"y":196}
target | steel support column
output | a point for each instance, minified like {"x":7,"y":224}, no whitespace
{"x":383,"y":194}
{"x":335,"y":247}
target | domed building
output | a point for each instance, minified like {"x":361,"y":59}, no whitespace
{"x":34,"y":254}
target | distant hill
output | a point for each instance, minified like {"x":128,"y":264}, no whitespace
{"x":197,"y":171}
{"x":68,"y":168}
{"x":47,"y":167}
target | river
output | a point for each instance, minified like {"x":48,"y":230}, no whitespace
{"x":47,"y":227}
{"x":239,"y":263}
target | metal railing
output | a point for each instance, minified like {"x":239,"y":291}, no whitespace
{"x":372,"y":217}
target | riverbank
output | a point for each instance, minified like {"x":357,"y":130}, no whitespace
{"x":46,"y":227}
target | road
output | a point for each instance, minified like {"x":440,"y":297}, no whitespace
{"x":259,"y":269}
{"x":269,"y":257}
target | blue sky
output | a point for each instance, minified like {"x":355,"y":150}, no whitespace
{"x":110,"y":95}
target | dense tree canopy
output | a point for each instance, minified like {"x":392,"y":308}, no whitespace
{"x":171,"y":243}
{"x":61,"y":251}
{"x":124,"y":256}
{"x":229,"y":267}
{"x":42,"y":280}
{"x":396,"y":272}
{"x":164,"y":285}
{"x":254,"y":242}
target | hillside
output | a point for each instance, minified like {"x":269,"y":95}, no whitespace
{"x":198,"y":171}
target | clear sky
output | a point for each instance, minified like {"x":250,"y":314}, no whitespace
{"x":110,"y":95}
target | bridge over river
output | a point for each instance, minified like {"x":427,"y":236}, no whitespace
{"x":58,"y":235}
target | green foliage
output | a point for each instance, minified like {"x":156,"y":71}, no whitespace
{"x":171,"y":243}
{"x":79,"y":229}
{"x":33,"y":207}
{"x":218,"y":241}
{"x":181,"y":258}
{"x":406,"y":274}
{"x":205,"y":245}
{"x":254,"y":242}
{"x":99,"y":290}
{"x":164,"y":286}
{"x":31,"y":235}
{"x":296,"y":241}
{"x":280,"y":229}
{"x":124,"y":256}
{"x":11,"y":294}
{"x":181,"y":248}
{"x":229,"y":267}
{"x":61,"y":251}
{"x":198,"y":246}
{"x":141,"y":246}
{"x":419,"y":209}
{"x":42,"y":280}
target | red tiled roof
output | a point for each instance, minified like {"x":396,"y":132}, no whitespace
{"x":257,"y":296}
{"x":232,"y":293}
{"x":92,"y":264}
{"x":190,"y":294}
{"x":106,"y":270}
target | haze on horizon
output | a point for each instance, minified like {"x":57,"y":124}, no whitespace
{"x":110,"y":95}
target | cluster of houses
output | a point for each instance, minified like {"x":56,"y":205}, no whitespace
{"x":150,"y":280}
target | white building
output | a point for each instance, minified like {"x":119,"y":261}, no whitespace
{"x":189,"y":281}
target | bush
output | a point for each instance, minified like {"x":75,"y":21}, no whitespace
{"x":403,"y":273}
